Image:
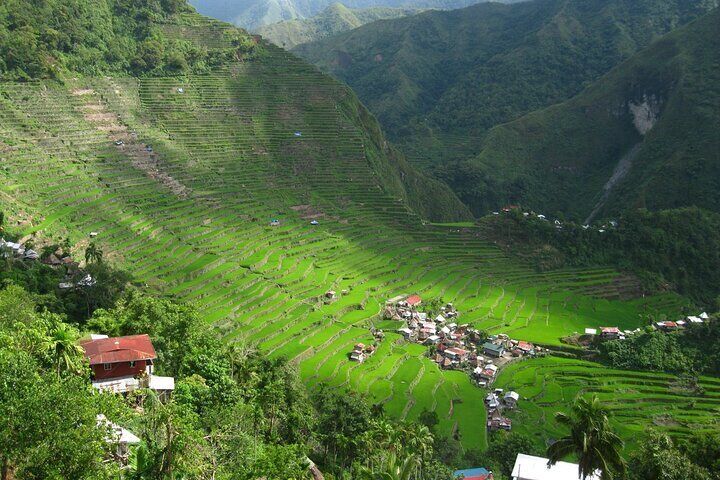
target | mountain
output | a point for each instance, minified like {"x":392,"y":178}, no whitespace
{"x":439,"y":80}
{"x":253,"y":14}
{"x":647,"y":134}
{"x":334,"y":19}
{"x":174,"y":44}
{"x":225,"y":172}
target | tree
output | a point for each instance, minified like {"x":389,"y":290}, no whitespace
{"x":394,"y":468}
{"x":658,"y":459}
{"x":93,"y":253}
{"x":52,"y":431}
{"x":62,"y":344}
{"x":591,"y":439}
{"x":504,"y":448}
{"x":429,"y":418}
{"x":703,"y":449}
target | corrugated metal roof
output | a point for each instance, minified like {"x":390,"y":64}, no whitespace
{"x":119,"y":349}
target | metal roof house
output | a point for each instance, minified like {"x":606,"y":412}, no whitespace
{"x":528,"y":467}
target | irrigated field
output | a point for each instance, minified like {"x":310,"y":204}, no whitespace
{"x":276,"y":139}
{"x":637,"y":399}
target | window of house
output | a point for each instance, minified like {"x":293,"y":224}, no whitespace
{"x":132,"y":364}
{"x":107,"y":366}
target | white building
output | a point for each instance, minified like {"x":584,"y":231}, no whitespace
{"x":528,"y":467}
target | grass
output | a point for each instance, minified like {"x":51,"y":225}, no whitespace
{"x":637,"y":400}
{"x":229,"y":141}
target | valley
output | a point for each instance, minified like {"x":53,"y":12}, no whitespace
{"x":228,"y":140}
{"x":292,"y":265}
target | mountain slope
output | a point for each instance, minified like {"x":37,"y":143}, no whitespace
{"x":439,"y":80}
{"x":179,"y":176}
{"x":645,"y":135}
{"x":334,"y":19}
{"x":253,"y":14}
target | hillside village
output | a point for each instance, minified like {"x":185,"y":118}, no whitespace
{"x":56,"y":258}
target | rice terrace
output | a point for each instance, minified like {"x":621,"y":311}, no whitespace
{"x":263,"y":192}
{"x":236,"y":157}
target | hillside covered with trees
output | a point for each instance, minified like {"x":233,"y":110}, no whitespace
{"x":669,"y":250}
{"x":334,"y":19}
{"x":47,"y":39}
{"x":257,"y":13}
{"x":643,"y":136}
{"x":440,"y":81}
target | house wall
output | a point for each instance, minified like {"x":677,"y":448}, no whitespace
{"x":121,"y":369}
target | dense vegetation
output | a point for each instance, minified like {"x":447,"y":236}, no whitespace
{"x":439,"y":80}
{"x":234,"y":414}
{"x":671,"y":249}
{"x":43,"y":39}
{"x":256,"y":13}
{"x":249,"y":142}
{"x":695,"y":350}
{"x":650,"y":125}
{"x":334,"y":19}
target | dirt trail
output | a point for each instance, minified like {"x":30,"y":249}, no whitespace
{"x":141,"y":155}
{"x":621,"y":170}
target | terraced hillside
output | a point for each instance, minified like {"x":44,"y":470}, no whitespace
{"x":180,"y":177}
{"x":636,"y":399}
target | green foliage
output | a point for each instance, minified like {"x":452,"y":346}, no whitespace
{"x":659,"y":459}
{"x":591,"y":439}
{"x":671,"y":249}
{"x":48,"y":427}
{"x":504,"y":448}
{"x":561,"y":159}
{"x":693,"y":350}
{"x":49,"y":38}
{"x":440,"y":80}
{"x":649,"y":351}
{"x":703,"y":449}
{"x":334,"y":19}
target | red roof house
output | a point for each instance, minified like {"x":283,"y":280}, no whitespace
{"x":525,"y":347}
{"x":119,"y":356}
{"x":609,"y":332}
{"x":413,"y":300}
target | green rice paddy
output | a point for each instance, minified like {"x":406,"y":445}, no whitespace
{"x":637,"y":400}
{"x":193,"y":222}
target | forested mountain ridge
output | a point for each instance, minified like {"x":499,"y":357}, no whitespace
{"x":49,"y":39}
{"x":645,"y":135}
{"x":256,"y":13}
{"x":334,"y":19}
{"x":439,"y":80}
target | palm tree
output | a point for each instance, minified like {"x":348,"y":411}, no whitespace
{"x":93,"y":253}
{"x":394,"y":468}
{"x":590,"y":438}
{"x":417,"y":439}
{"x":62,"y":345}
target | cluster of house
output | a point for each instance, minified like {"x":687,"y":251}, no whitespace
{"x":16,"y":250}
{"x":614,"y":333}
{"x":456,"y":346}
{"x":74,"y":278}
{"x":361,"y":352}
{"x":122,"y":365}
{"x":496,"y":401}
{"x":610,"y":333}
{"x":498,"y":349}
{"x":558,"y":224}
{"x":529,"y":467}
{"x":669,"y":326}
